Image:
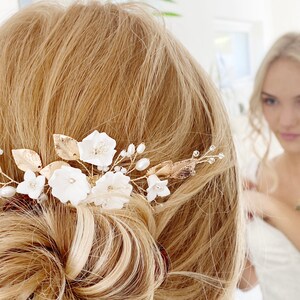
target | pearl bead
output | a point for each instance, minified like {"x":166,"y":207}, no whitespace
{"x":212,"y":148}
{"x":117,"y":169}
{"x":123,"y":153}
{"x":142,"y":164}
{"x":131,"y":149}
{"x":141,"y":148}
{"x":211,"y":160}
{"x":7,"y":191}
{"x":196,"y":153}
{"x":221,"y":155}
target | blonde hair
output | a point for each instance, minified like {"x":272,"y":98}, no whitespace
{"x":113,"y":68}
{"x":287,"y":46}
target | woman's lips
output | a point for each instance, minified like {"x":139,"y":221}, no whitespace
{"x":289,"y":136}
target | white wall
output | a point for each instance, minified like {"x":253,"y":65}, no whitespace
{"x":285,"y":17}
{"x":195,"y":28}
{"x":7,"y":8}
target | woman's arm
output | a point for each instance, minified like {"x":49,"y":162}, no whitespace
{"x":248,"y":279}
{"x":275,"y":212}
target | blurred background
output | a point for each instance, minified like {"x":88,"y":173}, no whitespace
{"x":228,"y":38}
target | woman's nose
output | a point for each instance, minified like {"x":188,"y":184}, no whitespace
{"x":288,"y":117}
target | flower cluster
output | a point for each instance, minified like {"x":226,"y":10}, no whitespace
{"x":105,"y":181}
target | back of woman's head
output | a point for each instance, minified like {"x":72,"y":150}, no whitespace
{"x":113,"y":68}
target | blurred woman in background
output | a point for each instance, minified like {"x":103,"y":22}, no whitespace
{"x":272,"y":199}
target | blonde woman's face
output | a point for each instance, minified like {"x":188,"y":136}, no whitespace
{"x":281,"y":102}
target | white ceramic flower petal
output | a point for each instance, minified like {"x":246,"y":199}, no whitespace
{"x":163,"y":193}
{"x":164,"y":182}
{"x":35,"y":193}
{"x":91,"y":136}
{"x":22,"y":188}
{"x":75,"y":195}
{"x":69,"y":184}
{"x":152,"y":180}
{"x":98,"y":200}
{"x":29,"y":175}
{"x":108,"y":140}
{"x":114,"y":203}
{"x":97,"y":149}
{"x":41,"y":180}
{"x":151,"y":195}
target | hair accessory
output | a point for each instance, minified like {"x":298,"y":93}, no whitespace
{"x":105,"y":181}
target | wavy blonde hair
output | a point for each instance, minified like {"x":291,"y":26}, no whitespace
{"x":113,"y":68}
{"x":286,"y":46}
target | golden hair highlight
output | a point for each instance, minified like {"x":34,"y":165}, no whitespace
{"x":113,"y":68}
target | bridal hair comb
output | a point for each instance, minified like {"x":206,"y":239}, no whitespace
{"x":100,"y":179}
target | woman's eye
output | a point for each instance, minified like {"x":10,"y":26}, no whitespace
{"x":269,"y":101}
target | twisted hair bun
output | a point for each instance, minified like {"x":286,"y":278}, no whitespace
{"x":69,"y":253}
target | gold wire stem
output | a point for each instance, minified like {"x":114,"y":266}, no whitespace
{"x":139,"y":178}
{"x":83,"y":165}
{"x":9,"y":178}
{"x":138,"y":187}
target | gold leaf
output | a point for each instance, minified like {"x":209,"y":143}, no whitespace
{"x":183,"y":169}
{"x":49,"y":169}
{"x":163,"y":169}
{"x":26,"y":159}
{"x":66,"y":147}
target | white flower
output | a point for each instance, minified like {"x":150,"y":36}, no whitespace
{"x":32,"y":185}
{"x":112,"y":190}
{"x":97,"y":149}
{"x":69,"y":184}
{"x":156,"y":188}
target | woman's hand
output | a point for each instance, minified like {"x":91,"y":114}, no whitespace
{"x":275,"y":212}
{"x":257,"y":203}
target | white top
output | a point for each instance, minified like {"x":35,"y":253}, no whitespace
{"x":276,"y":261}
